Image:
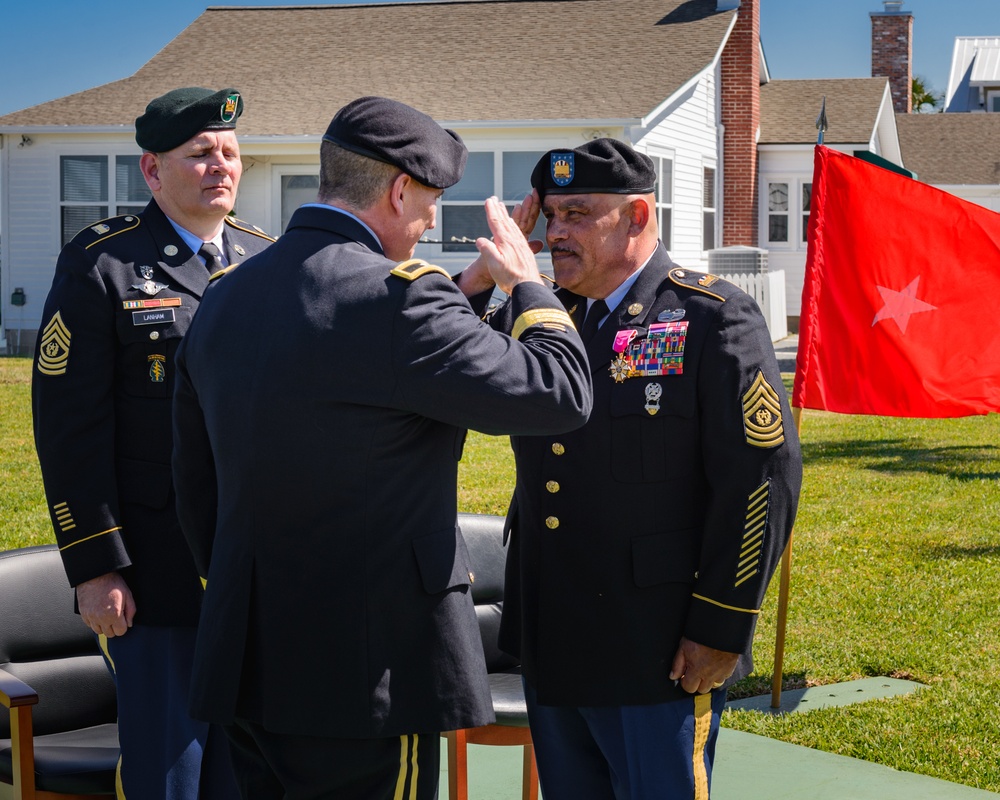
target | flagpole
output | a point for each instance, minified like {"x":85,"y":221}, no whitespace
{"x":786,"y":558}
{"x":786,"y":577}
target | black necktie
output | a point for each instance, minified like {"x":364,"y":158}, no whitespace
{"x":212,"y":256}
{"x":598,"y":311}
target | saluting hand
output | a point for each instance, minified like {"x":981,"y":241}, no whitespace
{"x":508,"y":256}
{"x":106,"y":604}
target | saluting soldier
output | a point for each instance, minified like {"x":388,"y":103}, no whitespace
{"x":124,"y":293}
{"x":643,"y":542}
{"x":339,"y":637}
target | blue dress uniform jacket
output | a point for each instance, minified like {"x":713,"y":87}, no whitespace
{"x":665,"y":515}
{"x":123,"y":295}
{"x":327,"y":393}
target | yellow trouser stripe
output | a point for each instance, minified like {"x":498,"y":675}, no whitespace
{"x":416,"y":768}
{"x":702,"y":727}
{"x":102,"y":642}
{"x":119,"y":789}
{"x":404,"y":747}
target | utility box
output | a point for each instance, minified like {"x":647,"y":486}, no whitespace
{"x":738,"y":259}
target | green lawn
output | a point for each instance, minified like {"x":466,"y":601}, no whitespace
{"x":896,"y":572}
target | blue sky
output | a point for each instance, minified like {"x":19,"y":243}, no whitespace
{"x":52,"y":48}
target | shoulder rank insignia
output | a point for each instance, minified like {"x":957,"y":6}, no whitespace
{"x":416,"y":268}
{"x":224,"y":271}
{"x":700,"y":281}
{"x":762,"y":420}
{"x":247,"y":227}
{"x":53,"y":354}
{"x":105,"y":229}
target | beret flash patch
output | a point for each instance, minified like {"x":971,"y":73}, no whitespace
{"x":53,"y":354}
{"x":762,"y":420}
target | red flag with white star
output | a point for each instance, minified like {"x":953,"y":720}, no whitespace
{"x":901,"y":297}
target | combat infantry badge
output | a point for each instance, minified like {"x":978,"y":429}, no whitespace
{"x":653,"y":393}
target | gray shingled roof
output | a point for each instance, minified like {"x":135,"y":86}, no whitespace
{"x":471,"y":60}
{"x":951,"y":149}
{"x":788,"y":110}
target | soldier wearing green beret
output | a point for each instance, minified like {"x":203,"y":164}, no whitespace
{"x":124,"y":292}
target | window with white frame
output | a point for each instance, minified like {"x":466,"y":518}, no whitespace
{"x":708,"y":208}
{"x":92,"y":188}
{"x":785,"y":216}
{"x":504,"y":174}
{"x":296,"y":190}
{"x":807,"y":189}
{"x":664,"y":196}
{"x":777,"y":211}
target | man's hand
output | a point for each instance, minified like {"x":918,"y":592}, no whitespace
{"x":701,"y":669}
{"x":525,"y":215}
{"x":106,"y":604}
{"x":476,"y":277}
{"x":508,"y":257}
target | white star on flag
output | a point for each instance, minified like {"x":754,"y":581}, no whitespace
{"x":900,"y":305}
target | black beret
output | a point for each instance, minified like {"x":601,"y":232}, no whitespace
{"x":394,"y":133}
{"x":173,"y":118}
{"x":601,"y":166}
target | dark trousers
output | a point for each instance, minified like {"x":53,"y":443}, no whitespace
{"x":651,"y":752}
{"x":164,"y":753}
{"x":272,"y":766}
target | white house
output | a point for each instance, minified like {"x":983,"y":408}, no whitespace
{"x":860,"y":117}
{"x":974,"y":78}
{"x":676,"y":78}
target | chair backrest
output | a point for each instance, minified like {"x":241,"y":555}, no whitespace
{"x":483,"y":534}
{"x":44,"y":643}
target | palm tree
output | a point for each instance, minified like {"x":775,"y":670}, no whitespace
{"x":924,"y":100}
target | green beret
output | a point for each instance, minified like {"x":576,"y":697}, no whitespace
{"x":173,"y":118}
{"x":601,"y":166}
{"x":394,"y":133}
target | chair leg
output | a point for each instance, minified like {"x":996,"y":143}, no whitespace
{"x":529,"y":776}
{"x":23,"y":753}
{"x":458,"y":765}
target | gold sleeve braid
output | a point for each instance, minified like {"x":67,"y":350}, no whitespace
{"x":554,"y":318}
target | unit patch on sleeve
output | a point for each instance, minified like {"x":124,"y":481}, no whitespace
{"x":53,"y":354}
{"x":762,"y":421}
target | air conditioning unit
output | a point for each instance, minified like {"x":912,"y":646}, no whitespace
{"x":737,"y":259}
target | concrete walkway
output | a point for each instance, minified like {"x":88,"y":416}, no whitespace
{"x":750,"y":767}
{"x":785,"y":350}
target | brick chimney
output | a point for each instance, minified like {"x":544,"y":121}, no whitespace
{"x":892,"y":52}
{"x":740,"y":92}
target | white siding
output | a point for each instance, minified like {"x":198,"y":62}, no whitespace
{"x":987,"y":196}
{"x":30,"y":229}
{"x":689,"y":131}
{"x":685,"y":132}
{"x":792,"y":166}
